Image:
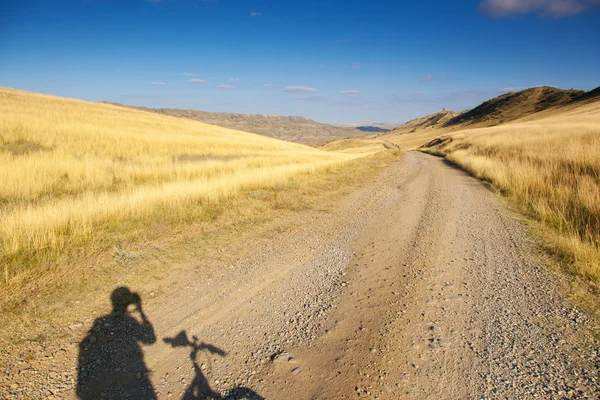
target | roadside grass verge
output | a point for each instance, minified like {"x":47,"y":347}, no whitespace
{"x":548,"y":168}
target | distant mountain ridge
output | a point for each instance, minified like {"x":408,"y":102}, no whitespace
{"x":291,"y":128}
{"x":371,"y":128}
{"x":504,"y":108}
{"x":515,"y":105}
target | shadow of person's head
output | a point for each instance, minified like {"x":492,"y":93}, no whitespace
{"x":122,"y":297}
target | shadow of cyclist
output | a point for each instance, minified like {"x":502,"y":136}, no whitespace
{"x":111,"y":361}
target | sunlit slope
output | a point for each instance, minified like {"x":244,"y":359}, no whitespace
{"x":68,"y":167}
{"x":550,"y":166}
{"x":529,"y":104}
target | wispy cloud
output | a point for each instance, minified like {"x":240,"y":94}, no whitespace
{"x":184,"y":94}
{"x":226,"y":86}
{"x":315,"y":97}
{"x":255,"y":14}
{"x":448,"y":100}
{"x":118,"y":70}
{"x":509,"y":89}
{"x":196,"y":80}
{"x":298,"y":89}
{"x":269,"y":85}
{"x":356,"y":66}
{"x":158,"y":83}
{"x":431,"y":78}
{"x":553,"y":8}
{"x":235,"y":79}
{"x":188,"y":74}
{"x":350,"y":93}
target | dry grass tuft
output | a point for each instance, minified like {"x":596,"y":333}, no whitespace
{"x":550,"y":168}
{"x":75,"y":173}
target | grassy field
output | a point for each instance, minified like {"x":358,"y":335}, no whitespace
{"x":75,"y":173}
{"x":550,"y":167}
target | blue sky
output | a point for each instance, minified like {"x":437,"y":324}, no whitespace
{"x":333,"y":61}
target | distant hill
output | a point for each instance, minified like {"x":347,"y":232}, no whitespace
{"x":293,"y":129}
{"x":515,"y":105}
{"x":530,"y":103}
{"x":370,"y":128}
{"x":592,"y":95}
{"x":437,"y":120}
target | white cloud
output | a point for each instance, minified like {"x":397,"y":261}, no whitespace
{"x":269,"y":85}
{"x":315,"y":97}
{"x":350,"y":93}
{"x":255,"y":14}
{"x":554,"y":8}
{"x":298,"y":89}
{"x":226,"y":86}
{"x":235,"y":79}
{"x":118,"y":70}
{"x":188,"y":74}
{"x":158,"y":83}
{"x":196,"y":80}
{"x":356,"y":65}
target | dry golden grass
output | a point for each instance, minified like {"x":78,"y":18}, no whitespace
{"x":550,"y":167}
{"x":355,"y":146}
{"x":74,"y":172}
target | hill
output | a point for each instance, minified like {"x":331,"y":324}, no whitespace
{"x":371,"y":128}
{"x":529,"y":103}
{"x":292,"y":129}
{"x":419,"y":130}
{"x":515,"y":105}
{"x":436,"y":120}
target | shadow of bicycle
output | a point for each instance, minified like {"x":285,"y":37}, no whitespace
{"x":199,"y":388}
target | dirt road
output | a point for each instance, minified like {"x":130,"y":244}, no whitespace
{"x":418,"y":285}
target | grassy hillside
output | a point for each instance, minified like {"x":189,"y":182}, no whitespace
{"x":294,"y":129}
{"x":550,"y":168}
{"x":530,"y":103}
{"x":75,"y":173}
{"x":420,"y":130}
{"x":515,"y":105}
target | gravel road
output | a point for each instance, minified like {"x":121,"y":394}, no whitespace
{"x":420,"y":284}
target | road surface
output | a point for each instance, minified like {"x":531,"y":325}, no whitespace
{"x":421,"y":284}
